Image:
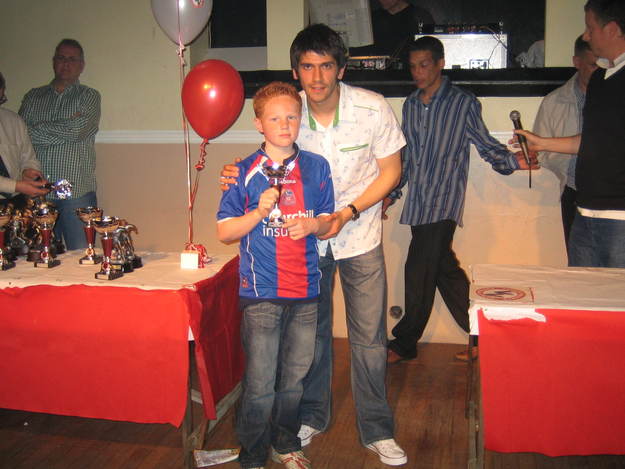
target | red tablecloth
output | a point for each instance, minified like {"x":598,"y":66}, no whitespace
{"x":118,"y":353}
{"x":554,"y":387}
{"x":216,"y":324}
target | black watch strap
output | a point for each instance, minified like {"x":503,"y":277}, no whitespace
{"x":355,"y":212}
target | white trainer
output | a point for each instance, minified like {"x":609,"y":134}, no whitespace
{"x":306,"y":434}
{"x":389,"y":451}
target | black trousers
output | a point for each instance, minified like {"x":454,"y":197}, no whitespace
{"x":568,"y":206}
{"x":431,"y":263}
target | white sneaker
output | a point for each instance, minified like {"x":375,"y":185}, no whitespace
{"x":306,"y":434}
{"x":389,"y":451}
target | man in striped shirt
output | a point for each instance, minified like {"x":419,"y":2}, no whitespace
{"x":440,"y":121}
{"x":62,"y":119}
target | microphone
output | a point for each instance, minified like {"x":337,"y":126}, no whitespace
{"x":515,"y":117}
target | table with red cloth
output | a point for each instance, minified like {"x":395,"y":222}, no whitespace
{"x":551,"y":356}
{"x":74,"y":345}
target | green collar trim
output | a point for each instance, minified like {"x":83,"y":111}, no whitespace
{"x":312,"y":123}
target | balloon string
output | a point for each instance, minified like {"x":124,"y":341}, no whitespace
{"x":185,"y":132}
{"x":203,"y":257}
{"x":185,"y":128}
{"x":199,"y":166}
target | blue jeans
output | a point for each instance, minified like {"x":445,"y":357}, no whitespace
{"x":68,"y":226}
{"x":597,"y":242}
{"x":363,"y":279}
{"x":275,"y":337}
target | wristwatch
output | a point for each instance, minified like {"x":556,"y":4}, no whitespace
{"x":355,"y":212}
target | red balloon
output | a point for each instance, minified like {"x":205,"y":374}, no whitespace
{"x":212,"y":97}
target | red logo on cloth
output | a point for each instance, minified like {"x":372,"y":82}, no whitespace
{"x":500,"y":293}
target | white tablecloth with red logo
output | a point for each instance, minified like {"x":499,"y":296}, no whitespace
{"x":552,"y":358}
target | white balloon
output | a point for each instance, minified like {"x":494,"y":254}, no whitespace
{"x":182,"y":20}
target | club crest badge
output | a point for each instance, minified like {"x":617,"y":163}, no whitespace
{"x":500,"y":293}
{"x":288,"y":197}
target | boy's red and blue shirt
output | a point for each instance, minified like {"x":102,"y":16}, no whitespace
{"x":272,"y":265}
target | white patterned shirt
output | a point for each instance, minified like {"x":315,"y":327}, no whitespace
{"x":364,"y":130}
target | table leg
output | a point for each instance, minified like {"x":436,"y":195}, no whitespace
{"x":471,"y":345}
{"x":474,"y":413}
{"x":192,"y":436}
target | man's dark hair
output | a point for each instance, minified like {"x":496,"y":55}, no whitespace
{"x":321,"y":39}
{"x":581,"y":46}
{"x":608,"y":10}
{"x":429,"y":43}
{"x":3,"y":84}
{"x":70,"y":43}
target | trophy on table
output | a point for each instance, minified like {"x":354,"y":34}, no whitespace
{"x":5,"y":218}
{"x":275,"y":175}
{"x":19,"y":227}
{"x":33,"y":233}
{"x":123,"y":247}
{"x":106,"y":226}
{"x":87,"y":215}
{"x":45,"y":216}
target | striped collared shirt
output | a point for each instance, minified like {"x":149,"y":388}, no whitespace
{"x":62,"y":127}
{"x":435,"y":161}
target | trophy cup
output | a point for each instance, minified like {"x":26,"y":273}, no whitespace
{"x":87,"y":215}
{"x":56,"y":245}
{"x":5,"y":218}
{"x":106,"y":226}
{"x":45,"y":217}
{"x":275,"y":175}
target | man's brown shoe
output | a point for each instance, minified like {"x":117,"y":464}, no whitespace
{"x":393,"y":357}
{"x":463,"y":356}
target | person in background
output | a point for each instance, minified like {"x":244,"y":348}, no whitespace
{"x":394,"y":27}
{"x":440,"y":121}
{"x":62,"y":119}
{"x":19,"y":168}
{"x":560,"y":115}
{"x":597,"y":236}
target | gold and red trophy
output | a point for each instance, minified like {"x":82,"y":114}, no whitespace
{"x":45,"y":217}
{"x":88,"y":215}
{"x":107,"y":226}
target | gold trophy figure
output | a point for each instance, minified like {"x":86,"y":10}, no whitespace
{"x":126,"y":246}
{"x":276,"y":174}
{"x":106,"y":226}
{"x":87,"y":215}
{"x":45,"y":218}
{"x":5,"y":219}
{"x":20,"y":226}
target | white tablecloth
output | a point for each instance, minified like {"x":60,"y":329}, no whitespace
{"x":160,"y":271}
{"x":494,"y":287}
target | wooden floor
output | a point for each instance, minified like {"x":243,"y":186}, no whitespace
{"x":428,"y":397}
